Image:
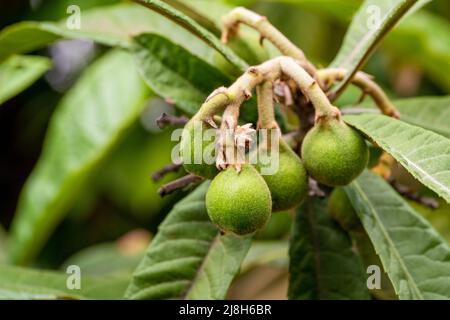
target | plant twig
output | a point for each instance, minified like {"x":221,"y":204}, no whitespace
{"x":406,"y":191}
{"x":267,"y":31}
{"x":272,"y":69}
{"x":172,"y":167}
{"x":366,"y":84}
{"x":168,"y":119}
{"x":266,"y":112}
{"x":182,"y":182}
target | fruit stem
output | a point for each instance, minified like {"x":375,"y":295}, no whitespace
{"x":362,"y":81}
{"x":239,"y":15}
{"x":310,"y":88}
{"x":239,"y":91}
{"x":270,"y":70}
{"x":266,"y":113}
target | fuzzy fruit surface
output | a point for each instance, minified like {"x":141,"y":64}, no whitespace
{"x":288,"y":185}
{"x":192,"y":142}
{"x":333,"y":153}
{"x":239,"y":202}
{"x":342,"y":211}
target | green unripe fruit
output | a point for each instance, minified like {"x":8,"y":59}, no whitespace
{"x":333,"y":153}
{"x":277,"y":227}
{"x":239,"y":202}
{"x":288,"y":185}
{"x":342,"y":211}
{"x":196,"y":149}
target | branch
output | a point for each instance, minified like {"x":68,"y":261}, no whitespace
{"x":367,"y":85}
{"x":410,"y":194}
{"x":185,"y":181}
{"x":266,"y":112}
{"x":168,"y":119}
{"x":158,"y":175}
{"x":267,"y":31}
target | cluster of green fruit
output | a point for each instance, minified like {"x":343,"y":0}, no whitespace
{"x":241,"y":202}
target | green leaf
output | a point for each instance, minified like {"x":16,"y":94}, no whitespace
{"x":195,"y":28}
{"x":415,"y":257}
{"x":3,"y":252}
{"x":112,"y":26}
{"x":189,"y":258}
{"x":371,"y":23}
{"x":369,"y":257}
{"x":175,"y":74}
{"x":19,"y":72}
{"x":322,"y":264}
{"x":274,"y":253}
{"x":21,"y":283}
{"x":431,"y":113}
{"x":105,"y":259}
{"x":88,"y":122}
{"x":423,"y":153}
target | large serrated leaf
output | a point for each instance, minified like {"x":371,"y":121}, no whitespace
{"x":431,"y":113}
{"x":88,"y":122}
{"x":415,"y":257}
{"x":20,"y":283}
{"x":322,"y":264}
{"x":371,"y":23}
{"x":189,"y":24}
{"x":425,"y":154}
{"x":189,"y":258}
{"x":18,"y":72}
{"x":112,"y":26}
{"x":174,"y":73}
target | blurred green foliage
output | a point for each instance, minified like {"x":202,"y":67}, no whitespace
{"x":413,"y":60}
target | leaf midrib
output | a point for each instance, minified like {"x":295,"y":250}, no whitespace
{"x":389,"y":240}
{"x":214,"y":242}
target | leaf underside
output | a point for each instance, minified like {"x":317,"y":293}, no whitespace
{"x":174,"y":73}
{"x":189,"y":258}
{"x":425,"y":154}
{"x":414,"y":256}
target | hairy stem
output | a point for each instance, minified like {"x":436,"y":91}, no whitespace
{"x":364,"y":82}
{"x":260,"y":23}
{"x":273,"y":69}
{"x":266,"y":113}
{"x":310,"y":88}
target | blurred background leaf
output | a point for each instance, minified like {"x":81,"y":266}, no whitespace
{"x":23,"y":284}
{"x":88,"y":123}
{"x":18,"y":72}
{"x":120,"y":198}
